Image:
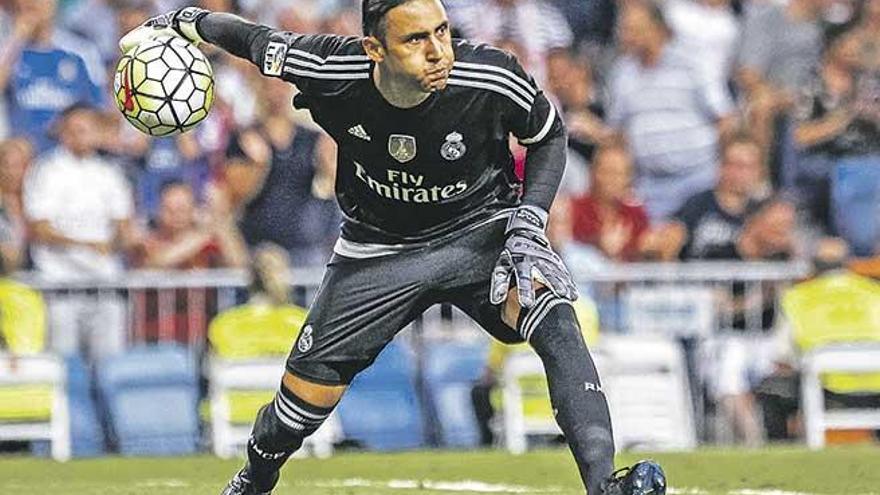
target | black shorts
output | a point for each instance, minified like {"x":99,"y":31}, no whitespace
{"x":363,"y":303}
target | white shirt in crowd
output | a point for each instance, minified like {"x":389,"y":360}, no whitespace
{"x":668,"y":113}
{"x":709,"y":35}
{"x":82,"y":198}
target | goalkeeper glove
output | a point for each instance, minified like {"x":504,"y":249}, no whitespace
{"x":527,"y":255}
{"x":181,"y":23}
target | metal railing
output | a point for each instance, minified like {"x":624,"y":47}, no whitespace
{"x":696,"y":298}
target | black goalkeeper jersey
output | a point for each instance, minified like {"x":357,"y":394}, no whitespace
{"x":412,"y":175}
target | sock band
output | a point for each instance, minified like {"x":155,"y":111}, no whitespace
{"x":544,"y":303}
{"x":297,"y":414}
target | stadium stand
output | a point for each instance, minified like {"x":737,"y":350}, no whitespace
{"x":644,"y":378}
{"x":451,"y":369}
{"x":835,"y":322}
{"x":248,"y":345}
{"x":855,"y":202}
{"x":152,"y":398}
{"x":33,"y":401}
{"x":381,"y":409}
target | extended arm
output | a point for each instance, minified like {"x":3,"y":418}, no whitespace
{"x":230,"y":32}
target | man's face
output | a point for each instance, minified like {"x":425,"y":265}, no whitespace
{"x":741,"y":168}
{"x":635,"y":29}
{"x":41,"y":12}
{"x":418,"y":45}
{"x":79,"y":132}
{"x":177,"y":209}
{"x":846,"y":52}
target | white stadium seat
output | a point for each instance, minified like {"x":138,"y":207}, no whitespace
{"x":645,"y":381}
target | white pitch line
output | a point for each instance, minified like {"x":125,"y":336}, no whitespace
{"x":462,"y":486}
{"x":749,"y":491}
{"x":163,"y":483}
{"x":482,"y":487}
{"x":443,"y":486}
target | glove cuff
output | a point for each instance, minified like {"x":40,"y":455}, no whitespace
{"x":528,"y":217}
{"x":186,"y":23}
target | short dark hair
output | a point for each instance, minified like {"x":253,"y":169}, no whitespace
{"x":78,"y":106}
{"x":373,"y":14}
{"x":75,"y":107}
{"x":172,"y":184}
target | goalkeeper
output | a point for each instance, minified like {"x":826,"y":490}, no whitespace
{"x":433,"y":213}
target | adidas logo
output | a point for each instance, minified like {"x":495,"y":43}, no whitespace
{"x":359,"y":132}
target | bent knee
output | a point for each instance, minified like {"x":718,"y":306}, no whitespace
{"x":512,"y":309}
{"x":313,"y":393}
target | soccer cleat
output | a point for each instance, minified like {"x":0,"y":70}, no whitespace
{"x":643,"y":478}
{"x":240,"y":484}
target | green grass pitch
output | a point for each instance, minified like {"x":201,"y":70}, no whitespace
{"x":777,"y":471}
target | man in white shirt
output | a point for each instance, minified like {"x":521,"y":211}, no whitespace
{"x":79,"y":207}
{"x":670,"y":113}
{"x":708,"y":32}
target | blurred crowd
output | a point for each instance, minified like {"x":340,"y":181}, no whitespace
{"x":699,"y":129}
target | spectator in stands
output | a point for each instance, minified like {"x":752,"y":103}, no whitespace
{"x":15,"y":158}
{"x":79,"y":209}
{"x":670,"y":114}
{"x":264,"y":325}
{"x":570,"y":80}
{"x":838,"y":133}
{"x":728,"y":223}
{"x":770,"y":233}
{"x":780,"y":46}
{"x":708,"y":30}
{"x":712,"y":224}
{"x":179,"y":158}
{"x":591,"y":21}
{"x":105,"y":21}
{"x":43,"y":70}
{"x":536,"y":26}
{"x":608,"y":219}
{"x":830,"y":307}
{"x":186,"y":237}
{"x":345,"y":21}
{"x":282,"y":175}
{"x":865,"y":32}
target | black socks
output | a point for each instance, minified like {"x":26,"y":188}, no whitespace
{"x":279,"y":431}
{"x":575,"y":392}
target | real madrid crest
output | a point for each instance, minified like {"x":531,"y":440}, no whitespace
{"x":402,"y":147}
{"x":454,"y":147}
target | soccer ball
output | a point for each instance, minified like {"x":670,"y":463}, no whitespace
{"x":164,"y":86}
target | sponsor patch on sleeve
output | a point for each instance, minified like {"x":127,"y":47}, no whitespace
{"x":273,"y":62}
